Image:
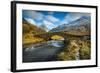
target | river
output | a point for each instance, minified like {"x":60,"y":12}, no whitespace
{"x":43,"y":52}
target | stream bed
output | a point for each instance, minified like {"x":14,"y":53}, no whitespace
{"x":43,"y":52}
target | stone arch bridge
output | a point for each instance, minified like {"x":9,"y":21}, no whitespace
{"x":65,"y":35}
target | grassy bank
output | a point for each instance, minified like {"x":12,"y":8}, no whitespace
{"x":74,"y":46}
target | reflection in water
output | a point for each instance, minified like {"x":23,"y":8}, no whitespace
{"x":45,"y":51}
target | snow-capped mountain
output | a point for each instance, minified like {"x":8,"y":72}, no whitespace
{"x":80,"y":25}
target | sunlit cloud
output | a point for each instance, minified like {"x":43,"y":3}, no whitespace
{"x":74,"y":16}
{"x":33,"y":15}
{"x":30,"y":21}
{"x":52,"y":18}
{"x":49,"y":24}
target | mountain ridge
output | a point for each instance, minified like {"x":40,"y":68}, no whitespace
{"x":79,"y":26}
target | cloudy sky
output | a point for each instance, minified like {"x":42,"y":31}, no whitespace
{"x":51,"y":19}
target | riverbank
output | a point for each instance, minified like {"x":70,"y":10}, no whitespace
{"x":76,"y":50}
{"x":45,"y":51}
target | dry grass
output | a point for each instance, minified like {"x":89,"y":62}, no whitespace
{"x":74,"y":46}
{"x":29,"y":38}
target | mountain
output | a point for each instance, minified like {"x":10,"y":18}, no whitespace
{"x":80,"y":26}
{"x":44,"y":27}
{"x":30,"y":28}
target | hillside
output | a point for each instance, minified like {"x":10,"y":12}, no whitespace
{"x":30,"y":28}
{"x":78,"y":27}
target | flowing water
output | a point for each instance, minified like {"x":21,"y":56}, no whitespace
{"x":42,"y":52}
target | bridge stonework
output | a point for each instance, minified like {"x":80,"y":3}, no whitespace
{"x":47,"y":36}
